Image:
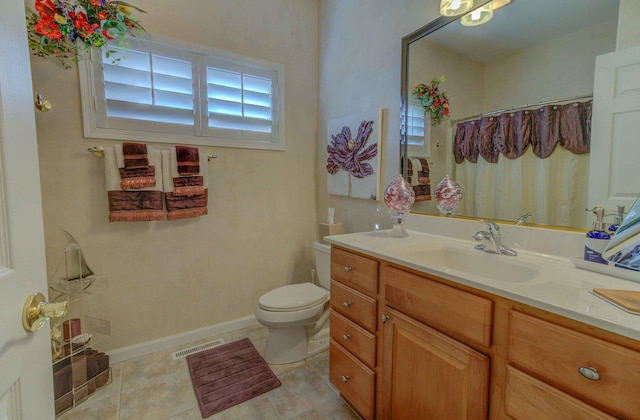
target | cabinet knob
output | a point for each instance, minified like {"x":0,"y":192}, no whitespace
{"x":345,"y":378}
{"x":347,"y":269}
{"x":590,"y":373}
{"x":346,"y":336}
{"x":384,"y":318}
{"x":346,"y":304}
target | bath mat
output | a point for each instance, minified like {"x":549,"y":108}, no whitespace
{"x":228,"y":375}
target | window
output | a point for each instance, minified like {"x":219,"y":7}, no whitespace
{"x":417,"y":133}
{"x":165,"y":92}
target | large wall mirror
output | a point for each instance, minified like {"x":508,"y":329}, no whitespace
{"x":534,"y":57}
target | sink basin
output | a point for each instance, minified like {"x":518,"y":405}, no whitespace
{"x":452,"y":257}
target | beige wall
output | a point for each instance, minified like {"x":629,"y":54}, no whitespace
{"x":360,"y":48}
{"x":166,"y":278}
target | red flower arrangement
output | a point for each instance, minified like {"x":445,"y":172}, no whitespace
{"x":63,"y":28}
{"x":434,"y":102}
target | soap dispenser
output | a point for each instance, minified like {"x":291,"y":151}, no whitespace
{"x":597,"y":238}
{"x":617,"y":220}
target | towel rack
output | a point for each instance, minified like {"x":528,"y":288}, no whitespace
{"x":98,"y":151}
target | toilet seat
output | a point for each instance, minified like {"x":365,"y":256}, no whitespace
{"x":293,"y":297}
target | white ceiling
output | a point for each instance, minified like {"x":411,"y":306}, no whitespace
{"x":522,"y":24}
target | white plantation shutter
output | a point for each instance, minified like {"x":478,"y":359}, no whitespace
{"x":241,"y":100}
{"x":415,"y":124}
{"x":155,"y":92}
{"x":151,"y":88}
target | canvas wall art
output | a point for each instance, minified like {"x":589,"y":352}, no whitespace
{"x":353,"y":161}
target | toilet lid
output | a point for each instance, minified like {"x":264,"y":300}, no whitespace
{"x":293,"y":297}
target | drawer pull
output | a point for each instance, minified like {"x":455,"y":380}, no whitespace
{"x":346,"y":336}
{"x":384,"y":318}
{"x":346,"y":304}
{"x":345,"y":378}
{"x":347,"y":268}
{"x":590,"y":373}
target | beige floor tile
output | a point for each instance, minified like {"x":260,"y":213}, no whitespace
{"x":302,"y":389}
{"x":157,"y":387}
{"x":334,"y":409}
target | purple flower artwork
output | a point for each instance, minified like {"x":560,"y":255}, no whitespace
{"x":352,"y":161}
{"x":351,"y":155}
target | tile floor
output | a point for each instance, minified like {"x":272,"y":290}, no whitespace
{"x":157,"y":387}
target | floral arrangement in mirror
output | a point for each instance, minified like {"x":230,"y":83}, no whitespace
{"x":65,"y":28}
{"x":399,"y":197}
{"x":435,"y":103}
{"x":448,"y":195}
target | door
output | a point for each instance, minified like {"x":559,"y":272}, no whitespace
{"x":613,"y":173}
{"x":26,"y":386}
{"x":428,"y":375}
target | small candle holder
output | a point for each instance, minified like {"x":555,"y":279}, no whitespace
{"x":399,"y":198}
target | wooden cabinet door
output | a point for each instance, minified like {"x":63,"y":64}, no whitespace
{"x":428,"y":375}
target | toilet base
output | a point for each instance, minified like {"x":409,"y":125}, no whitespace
{"x":286,"y":345}
{"x":289,"y":345}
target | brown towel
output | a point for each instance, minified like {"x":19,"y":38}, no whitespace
{"x":136,"y":205}
{"x":188,"y":160}
{"x":140,"y":177}
{"x":135,"y":155}
{"x":185,"y":197}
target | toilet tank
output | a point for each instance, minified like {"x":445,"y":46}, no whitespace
{"x":323,"y":263}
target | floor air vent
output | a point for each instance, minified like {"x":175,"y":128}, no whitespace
{"x":197,"y":348}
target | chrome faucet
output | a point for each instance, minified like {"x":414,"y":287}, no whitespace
{"x":492,"y":240}
{"x":522,"y":219}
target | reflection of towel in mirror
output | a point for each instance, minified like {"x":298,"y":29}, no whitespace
{"x":184,"y":205}
{"x":142,"y":204}
{"x":136,"y":171}
{"x":418,"y":177}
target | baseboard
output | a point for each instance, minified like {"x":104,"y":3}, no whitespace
{"x":172,"y":341}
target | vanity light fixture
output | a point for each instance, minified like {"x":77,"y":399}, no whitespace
{"x":483,"y":14}
{"x":478,"y":16}
{"x":455,"y":7}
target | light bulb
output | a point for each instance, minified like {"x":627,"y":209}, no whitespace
{"x":478,"y":16}
{"x":455,"y":7}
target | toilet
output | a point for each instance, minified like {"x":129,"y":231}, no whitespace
{"x":297,"y":315}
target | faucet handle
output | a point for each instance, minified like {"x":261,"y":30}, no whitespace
{"x":493,"y":227}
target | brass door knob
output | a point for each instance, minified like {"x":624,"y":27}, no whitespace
{"x":37,"y":311}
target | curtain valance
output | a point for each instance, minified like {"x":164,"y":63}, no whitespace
{"x":512,"y":133}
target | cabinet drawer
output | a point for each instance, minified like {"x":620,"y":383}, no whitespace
{"x":354,"y":380}
{"x":555,"y":354}
{"x":355,"y":271}
{"x":353,"y":338}
{"x":354,"y":305}
{"x":440,"y":306}
{"x":529,"y":398}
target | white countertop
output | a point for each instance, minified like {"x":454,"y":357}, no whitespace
{"x":559,"y":287}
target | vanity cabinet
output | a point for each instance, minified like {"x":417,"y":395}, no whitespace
{"x":428,"y":375}
{"x":406,"y":344}
{"x":426,"y":372}
{"x":352,"y":348}
{"x":557,"y":364}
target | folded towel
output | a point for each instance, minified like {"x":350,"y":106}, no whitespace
{"x":419,"y":178}
{"x":184,"y":206}
{"x":135,"y":178}
{"x":144,"y":204}
{"x":188,"y":159}
{"x":135,"y":155}
{"x":186,"y":185}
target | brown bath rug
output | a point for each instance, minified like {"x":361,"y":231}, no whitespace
{"x":228,"y":375}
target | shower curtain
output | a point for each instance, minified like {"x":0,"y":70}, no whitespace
{"x":532,"y":161}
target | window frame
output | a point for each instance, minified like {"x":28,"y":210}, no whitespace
{"x":209,"y":136}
